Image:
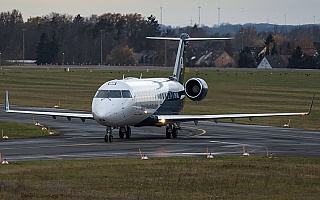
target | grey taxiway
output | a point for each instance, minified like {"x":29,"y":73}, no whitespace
{"x":85,"y":140}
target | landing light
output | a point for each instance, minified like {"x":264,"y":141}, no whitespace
{"x":162,"y":121}
{"x":145,"y":112}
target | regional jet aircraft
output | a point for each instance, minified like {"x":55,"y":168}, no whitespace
{"x":149,"y":101}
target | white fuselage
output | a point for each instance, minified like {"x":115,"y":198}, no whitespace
{"x":133,"y":101}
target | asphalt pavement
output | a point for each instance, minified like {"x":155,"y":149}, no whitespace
{"x":86,"y":140}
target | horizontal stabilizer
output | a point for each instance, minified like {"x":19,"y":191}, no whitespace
{"x":187,"y":39}
{"x":163,"y":38}
{"x":202,"y":39}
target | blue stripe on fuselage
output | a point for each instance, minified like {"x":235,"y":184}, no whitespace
{"x":170,"y":106}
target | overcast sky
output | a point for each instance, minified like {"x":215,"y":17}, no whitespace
{"x":180,"y":12}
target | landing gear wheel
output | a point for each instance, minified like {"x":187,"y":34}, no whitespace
{"x":128,"y":132}
{"x":110,"y":138}
{"x":106,"y":138}
{"x":174,"y":133}
{"x":168,"y":133}
{"x":122,"y":130}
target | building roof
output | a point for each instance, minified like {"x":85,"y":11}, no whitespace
{"x":310,"y":52}
{"x":273,"y":61}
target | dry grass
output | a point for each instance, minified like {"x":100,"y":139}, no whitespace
{"x":163,"y":178}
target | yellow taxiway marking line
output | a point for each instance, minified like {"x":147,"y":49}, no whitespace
{"x":203,"y":132}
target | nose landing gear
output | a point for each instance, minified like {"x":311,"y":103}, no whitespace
{"x":108,"y":137}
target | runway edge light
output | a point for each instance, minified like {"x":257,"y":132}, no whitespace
{"x":245,"y":153}
{"x":4,"y":136}
{"x":143,"y":157}
{"x":209,"y":155}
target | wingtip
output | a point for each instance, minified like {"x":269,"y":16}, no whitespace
{"x":310,"y":108}
{"x":7,"y":107}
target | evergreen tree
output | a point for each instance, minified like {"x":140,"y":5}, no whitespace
{"x":42,"y":49}
{"x":47,"y":51}
{"x":296,"y":60}
{"x":246,"y":60}
{"x":270,"y":45}
{"x":54,"y":48}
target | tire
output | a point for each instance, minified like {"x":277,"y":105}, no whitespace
{"x":168,"y":134}
{"x":128,"y":132}
{"x":121,"y":134}
{"x":110,"y":138}
{"x":174,"y":133}
{"x":106,"y":138}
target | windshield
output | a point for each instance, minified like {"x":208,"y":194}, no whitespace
{"x":113,"y":94}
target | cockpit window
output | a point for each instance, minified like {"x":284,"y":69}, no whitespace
{"x":113,"y":94}
{"x":126,"y":94}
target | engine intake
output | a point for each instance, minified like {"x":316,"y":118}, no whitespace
{"x":196,"y":89}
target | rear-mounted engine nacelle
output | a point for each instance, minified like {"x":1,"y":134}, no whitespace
{"x":196,"y":89}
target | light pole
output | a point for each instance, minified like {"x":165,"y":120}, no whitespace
{"x":101,"y":46}
{"x":0,"y":59}
{"x":241,"y":32}
{"x":63,"y":58}
{"x":23,"y":30}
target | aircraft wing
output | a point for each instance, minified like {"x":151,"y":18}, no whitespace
{"x":196,"y":118}
{"x":54,"y":114}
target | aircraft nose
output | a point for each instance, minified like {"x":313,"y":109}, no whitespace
{"x":100,"y":110}
{"x":107,"y":112}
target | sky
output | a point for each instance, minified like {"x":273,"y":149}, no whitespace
{"x":180,"y":12}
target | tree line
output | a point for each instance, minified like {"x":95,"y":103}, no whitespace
{"x":57,"y":37}
{"x":114,"y":38}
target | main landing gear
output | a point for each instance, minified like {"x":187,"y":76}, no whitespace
{"x":172,"y":129}
{"x":124,"y":130}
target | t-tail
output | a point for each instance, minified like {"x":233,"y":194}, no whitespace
{"x":178,"y":71}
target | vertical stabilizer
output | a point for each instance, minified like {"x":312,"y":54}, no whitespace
{"x":178,"y":71}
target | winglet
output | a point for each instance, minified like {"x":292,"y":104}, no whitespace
{"x":310,"y":108}
{"x":7,"y":108}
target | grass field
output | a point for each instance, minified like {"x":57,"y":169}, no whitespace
{"x":229,"y":91}
{"x":166,"y":178}
{"x":16,"y":130}
{"x":163,"y":178}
